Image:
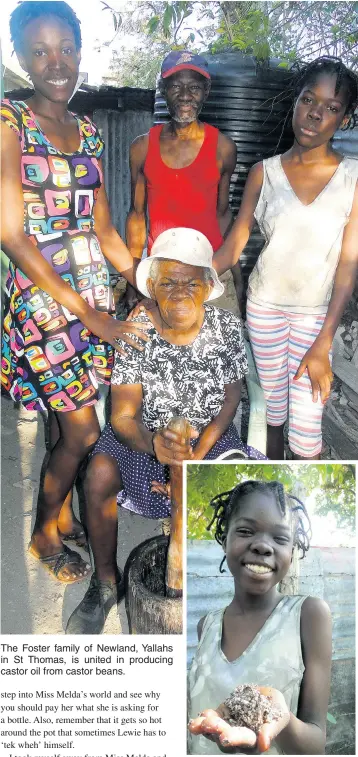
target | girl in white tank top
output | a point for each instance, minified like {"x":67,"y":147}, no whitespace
{"x":306,"y":204}
{"x":281,"y":644}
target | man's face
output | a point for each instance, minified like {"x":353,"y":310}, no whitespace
{"x":185,"y":94}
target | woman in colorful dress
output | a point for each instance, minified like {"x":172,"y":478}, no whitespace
{"x":59,"y":335}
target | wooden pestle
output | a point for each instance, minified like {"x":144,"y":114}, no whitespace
{"x":174,"y":567}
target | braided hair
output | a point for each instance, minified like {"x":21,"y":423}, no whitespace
{"x":30,"y":10}
{"x":345,"y":77}
{"x":227,"y":503}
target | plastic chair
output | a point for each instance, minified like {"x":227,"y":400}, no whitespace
{"x":257,"y":431}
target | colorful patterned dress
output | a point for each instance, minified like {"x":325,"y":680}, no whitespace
{"x":49,"y":358}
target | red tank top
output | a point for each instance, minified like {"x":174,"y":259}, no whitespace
{"x":183,"y":196}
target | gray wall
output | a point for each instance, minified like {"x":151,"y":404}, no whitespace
{"x":347,"y":142}
{"x":328,"y":573}
{"x":118,"y":129}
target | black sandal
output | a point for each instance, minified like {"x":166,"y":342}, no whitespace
{"x":54,"y":564}
{"x":79,"y":538}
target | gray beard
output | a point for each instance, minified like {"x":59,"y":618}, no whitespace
{"x":184,"y":119}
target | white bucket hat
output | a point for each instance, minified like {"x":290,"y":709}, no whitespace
{"x":185,"y":246}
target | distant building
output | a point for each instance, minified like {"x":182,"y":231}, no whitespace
{"x":11,"y":80}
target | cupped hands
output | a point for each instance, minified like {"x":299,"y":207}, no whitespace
{"x":236,"y":739}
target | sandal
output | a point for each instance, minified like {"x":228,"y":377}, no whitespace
{"x":79,"y":539}
{"x":54,"y":564}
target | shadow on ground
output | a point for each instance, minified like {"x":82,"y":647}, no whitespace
{"x":31,"y":601}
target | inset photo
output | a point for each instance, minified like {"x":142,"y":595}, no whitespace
{"x":271,"y":608}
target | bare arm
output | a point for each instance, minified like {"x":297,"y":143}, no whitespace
{"x":227,"y":155}
{"x":136,"y":231}
{"x":316,"y":359}
{"x":111,"y":243}
{"x":126,"y":418}
{"x":28,"y":258}
{"x":167,"y":446}
{"x":306,"y":733}
{"x":214,"y":430}
{"x":230,"y":251}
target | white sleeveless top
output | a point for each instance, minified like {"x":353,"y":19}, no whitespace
{"x":296,"y":268}
{"x":274,"y":658}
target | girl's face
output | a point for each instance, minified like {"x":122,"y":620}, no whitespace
{"x":50,"y":57}
{"x":259,"y":543}
{"x":318,"y":112}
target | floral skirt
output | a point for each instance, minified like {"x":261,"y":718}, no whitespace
{"x":138,"y":470}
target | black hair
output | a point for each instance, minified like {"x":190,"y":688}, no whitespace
{"x":30,"y":10}
{"x":227,"y":503}
{"x":345,"y":77}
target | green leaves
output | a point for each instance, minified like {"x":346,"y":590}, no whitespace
{"x":116,"y":16}
{"x":331,"y":718}
{"x":153,"y":24}
{"x":333,"y":486}
{"x":167,"y":19}
{"x":288,"y":31}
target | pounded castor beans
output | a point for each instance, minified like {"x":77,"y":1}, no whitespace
{"x":249,"y":708}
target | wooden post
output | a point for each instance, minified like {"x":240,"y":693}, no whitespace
{"x":290,"y":583}
{"x":174,"y":567}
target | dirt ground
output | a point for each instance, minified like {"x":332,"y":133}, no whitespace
{"x":31,"y":601}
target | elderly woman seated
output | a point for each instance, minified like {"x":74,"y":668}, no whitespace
{"x":192,"y":366}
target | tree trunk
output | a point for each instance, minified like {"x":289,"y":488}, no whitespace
{"x":290,"y":583}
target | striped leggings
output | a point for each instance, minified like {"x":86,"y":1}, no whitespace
{"x":279,"y":340}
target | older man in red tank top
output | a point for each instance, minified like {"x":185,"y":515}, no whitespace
{"x":180,"y":171}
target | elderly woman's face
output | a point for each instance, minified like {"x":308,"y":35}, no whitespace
{"x":180,"y":291}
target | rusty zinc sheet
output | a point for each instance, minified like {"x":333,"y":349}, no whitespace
{"x":118,"y":129}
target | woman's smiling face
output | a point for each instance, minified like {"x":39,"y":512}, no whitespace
{"x":48,"y":54}
{"x":259,"y":543}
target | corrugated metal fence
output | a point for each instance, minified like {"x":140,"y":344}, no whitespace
{"x":328,"y":573}
{"x":118,"y":129}
{"x":346,"y":142}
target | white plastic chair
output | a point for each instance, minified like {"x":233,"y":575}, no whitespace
{"x":257,"y":431}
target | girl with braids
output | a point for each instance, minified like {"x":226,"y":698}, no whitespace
{"x":263,"y":637}
{"x":56,"y":229}
{"x":306,"y":204}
